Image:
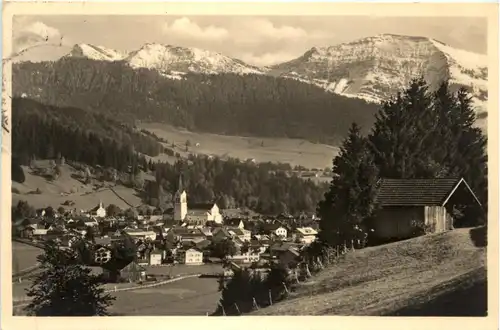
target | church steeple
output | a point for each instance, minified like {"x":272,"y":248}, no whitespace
{"x":180,"y":187}
{"x":180,"y":202}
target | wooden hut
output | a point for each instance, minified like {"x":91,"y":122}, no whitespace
{"x":407,"y":205}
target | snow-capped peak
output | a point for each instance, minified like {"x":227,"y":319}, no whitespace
{"x":99,"y":53}
{"x":376,"y":67}
{"x":172,"y":58}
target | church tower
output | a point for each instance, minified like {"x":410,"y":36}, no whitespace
{"x":180,"y":202}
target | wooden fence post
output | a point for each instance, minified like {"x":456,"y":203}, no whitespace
{"x":255,"y":303}
{"x":270,"y":297}
{"x":223,"y":310}
{"x":308,"y":271}
{"x":320,"y":263}
{"x":286,"y":289}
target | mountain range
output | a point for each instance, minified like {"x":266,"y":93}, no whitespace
{"x":372,"y":68}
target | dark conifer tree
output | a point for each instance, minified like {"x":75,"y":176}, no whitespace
{"x":66,"y":288}
{"x":350,"y":199}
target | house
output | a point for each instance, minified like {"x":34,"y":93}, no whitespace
{"x":405,"y":205}
{"x":155,"y":257}
{"x":90,"y":222}
{"x":247,"y":257}
{"x":133,"y":272}
{"x":194,"y":213}
{"x":39,"y":233}
{"x":140,"y":234}
{"x":242,"y":234}
{"x":289,"y":256}
{"x":104,"y":241}
{"x":203,"y":245}
{"x":306,"y":235}
{"x":27,"y":232}
{"x":276,"y":229}
{"x":191,"y":256}
{"x":220,"y":234}
{"x":207,"y":231}
{"x":186,"y":234}
{"x":257,"y":247}
{"x":235,"y":223}
{"x":277,"y":248}
{"x":99,"y":211}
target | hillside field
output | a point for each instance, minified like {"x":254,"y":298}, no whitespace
{"x":292,"y":151}
{"x":65,"y":188}
{"x":23,"y":256}
{"x":434,"y":275}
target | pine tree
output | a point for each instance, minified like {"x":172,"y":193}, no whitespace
{"x":66,"y":288}
{"x":405,"y":135}
{"x":350,"y":199}
{"x":470,"y":159}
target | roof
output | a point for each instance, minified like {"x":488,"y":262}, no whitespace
{"x":283,"y":246}
{"x":293,"y":251}
{"x":237,"y":231}
{"x":201,"y":206}
{"x":194,"y":250}
{"x":130,"y":267}
{"x":273,"y":226}
{"x":186,"y":232}
{"x":203,"y":244}
{"x":416,"y":192}
{"x":222,"y":230}
{"x":103,"y":240}
{"x":307,"y":231}
{"x":197,"y":213}
{"x":232,"y":222}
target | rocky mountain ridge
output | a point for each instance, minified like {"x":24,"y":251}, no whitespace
{"x":372,"y":68}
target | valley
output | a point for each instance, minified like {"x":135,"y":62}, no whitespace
{"x":335,"y":183}
{"x":295,"y":152}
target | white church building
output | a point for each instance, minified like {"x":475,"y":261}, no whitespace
{"x":194,"y":213}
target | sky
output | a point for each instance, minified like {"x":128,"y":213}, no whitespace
{"x":257,"y":40}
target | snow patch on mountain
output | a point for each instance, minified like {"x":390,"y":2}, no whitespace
{"x":98,"y":53}
{"x":377,"y":67}
{"x":182,"y":59}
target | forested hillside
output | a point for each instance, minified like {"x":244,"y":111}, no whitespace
{"x":233,"y":183}
{"x":45,"y":131}
{"x":253,"y":105}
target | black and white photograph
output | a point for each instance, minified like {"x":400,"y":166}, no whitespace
{"x":171,"y":164}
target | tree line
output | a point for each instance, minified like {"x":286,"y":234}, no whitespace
{"x":233,"y":183}
{"x":249,"y":105}
{"x":419,"y":133}
{"x":49,"y":132}
{"x":46,"y":131}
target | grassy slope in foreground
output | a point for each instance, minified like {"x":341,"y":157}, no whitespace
{"x":292,"y":151}
{"x":428,"y":275}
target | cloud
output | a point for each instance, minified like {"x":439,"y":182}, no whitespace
{"x":184,"y":27}
{"x":265,"y":28}
{"x":259,"y":31}
{"x":268,"y":58}
{"x":27,"y":34}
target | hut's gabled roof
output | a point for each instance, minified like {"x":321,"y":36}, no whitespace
{"x":418,"y":192}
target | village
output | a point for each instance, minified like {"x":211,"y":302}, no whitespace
{"x":189,"y":234}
